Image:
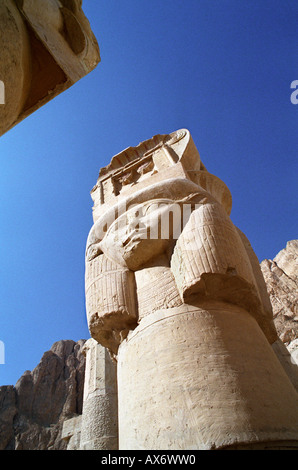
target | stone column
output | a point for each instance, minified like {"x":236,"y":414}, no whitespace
{"x":175,"y":292}
{"x":99,"y":422}
{"x":212,"y":379}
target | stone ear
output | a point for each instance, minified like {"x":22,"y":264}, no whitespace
{"x":73,"y":32}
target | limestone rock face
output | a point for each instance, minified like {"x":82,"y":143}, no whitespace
{"x":281,"y":277}
{"x":8,"y":410}
{"x":32,"y":413}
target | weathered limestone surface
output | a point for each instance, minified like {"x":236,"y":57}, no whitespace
{"x":190,"y":410}
{"x":8,"y":410}
{"x":175,"y":292}
{"x":99,"y":427}
{"x":46,"y":46}
{"x":281,"y":276}
{"x":71,"y":432}
{"x":32,"y":413}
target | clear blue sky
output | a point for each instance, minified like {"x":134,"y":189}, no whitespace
{"x":222,"y":69}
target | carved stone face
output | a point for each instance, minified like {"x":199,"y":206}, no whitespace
{"x":144,"y":225}
{"x":141,"y":233}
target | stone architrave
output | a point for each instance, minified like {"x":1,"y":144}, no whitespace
{"x":175,"y":292}
{"x":46,"y":46}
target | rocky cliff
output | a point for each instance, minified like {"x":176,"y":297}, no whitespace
{"x":32,"y":413}
{"x":281,"y":277}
